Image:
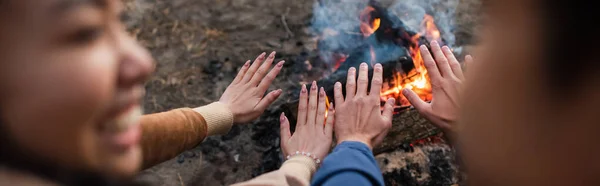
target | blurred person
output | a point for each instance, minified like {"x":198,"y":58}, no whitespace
{"x":72,"y":80}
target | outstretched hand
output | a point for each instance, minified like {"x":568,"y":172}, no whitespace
{"x":359,"y":116}
{"x":447,"y":78}
{"x":244,"y":96}
{"x":313,"y":134}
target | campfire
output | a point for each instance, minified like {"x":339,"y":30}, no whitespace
{"x":380,"y":37}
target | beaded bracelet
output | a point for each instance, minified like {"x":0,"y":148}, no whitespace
{"x":307,"y":154}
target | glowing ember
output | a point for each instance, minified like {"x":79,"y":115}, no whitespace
{"x":368,"y":25}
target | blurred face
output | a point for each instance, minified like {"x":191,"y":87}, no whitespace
{"x":516,"y":129}
{"x":71,"y":81}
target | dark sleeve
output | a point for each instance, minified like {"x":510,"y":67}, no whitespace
{"x":350,"y":163}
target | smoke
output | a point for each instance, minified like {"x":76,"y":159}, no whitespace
{"x":338,"y":22}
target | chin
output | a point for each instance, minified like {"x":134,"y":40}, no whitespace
{"x":125,"y":165}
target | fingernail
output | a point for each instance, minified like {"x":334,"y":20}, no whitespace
{"x":405,"y":91}
{"x":247,"y":63}
{"x":314,"y":85}
{"x":272,"y":55}
{"x":279,"y":91}
{"x":363,"y":65}
{"x":322,"y":92}
{"x":280,"y":64}
{"x":391,"y":101}
{"x":469,"y":57}
{"x":303,"y":88}
{"x":434,"y":42}
{"x":282,"y":117}
{"x":423,"y":48}
{"x":338,"y":85}
{"x":446,"y":48}
{"x":330,"y":106}
{"x":263,"y":55}
{"x":352,"y":69}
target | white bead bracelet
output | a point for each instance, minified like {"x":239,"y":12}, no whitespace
{"x":307,"y":154}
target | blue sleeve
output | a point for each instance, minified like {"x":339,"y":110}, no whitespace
{"x":350,"y":163}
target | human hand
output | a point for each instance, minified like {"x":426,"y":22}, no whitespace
{"x":359,"y":116}
{"x":446,"y":81}
{"x":313,"y":133}
{"x":244,"y":96}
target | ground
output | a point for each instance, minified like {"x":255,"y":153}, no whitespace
{"x":199,"y":45}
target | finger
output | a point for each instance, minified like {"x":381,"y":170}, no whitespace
{"x":241,"y":73}
{"x":453,"y":62}
{"x":468,"y":61}
{"x":429,"y":62}
{"x":253,"y":68}
{"x":351,"y":83}
{"x":302,"y":107}
{"x":320,"y":121}
{"x":415,"y":100}
{"x":312,"y":104}
{"x":363,"y":79}
{"x":268,"y":100}
{"x":329,"y":123}
{"x":441,"y":60}
{"x":338,"y":96}
{"x":388,"y":109}
{"x":284,"y":130}
{"x":266,"y":82}
{"x":262,"y":70}
{"x":377,"y":81}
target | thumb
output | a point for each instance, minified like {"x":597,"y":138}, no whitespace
{"x":388,"y":109}
{"x":284,"y":131}
{"x":414,"y":99}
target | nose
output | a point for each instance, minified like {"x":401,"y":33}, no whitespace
{"x":135,"y":65}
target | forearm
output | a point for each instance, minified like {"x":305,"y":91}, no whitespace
{"x":350,"y":163}
{"x":167,"y":134}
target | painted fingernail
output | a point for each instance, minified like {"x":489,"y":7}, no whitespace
{"x":280,"y":64}
{"x":314,"y":85}
{"x":282,"y":117}
{"x":303,"y":88}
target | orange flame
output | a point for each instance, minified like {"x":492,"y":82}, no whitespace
{"x":368,"y":26}
{"x":417,"y":79}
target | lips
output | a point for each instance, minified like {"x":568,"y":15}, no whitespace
{"x":123,"y":132}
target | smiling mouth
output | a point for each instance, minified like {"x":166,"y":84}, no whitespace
{"x":123,"y":132}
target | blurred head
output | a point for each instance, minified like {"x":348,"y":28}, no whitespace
{"x":530,"y":114}
{"x":71,"y":80}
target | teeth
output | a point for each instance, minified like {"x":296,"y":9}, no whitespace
{"x":126,"y":120}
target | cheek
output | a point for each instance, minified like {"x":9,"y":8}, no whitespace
{"x":54,"y":101}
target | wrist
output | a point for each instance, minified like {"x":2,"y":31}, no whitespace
{"x":218,"y":117}
{"x":356,"y":139}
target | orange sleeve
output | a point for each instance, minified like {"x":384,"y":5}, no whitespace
{"x":167,"y":134}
